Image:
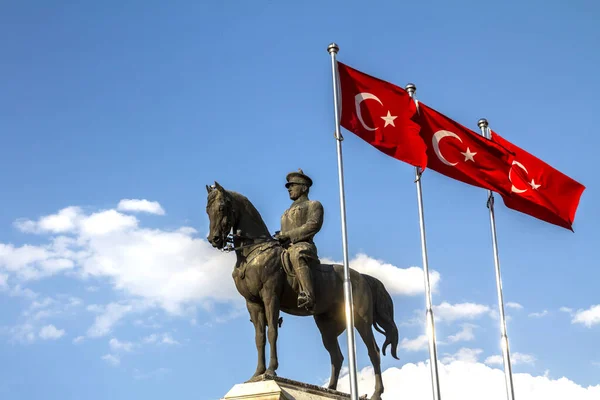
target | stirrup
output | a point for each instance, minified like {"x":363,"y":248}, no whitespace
{"x":305,"y":301}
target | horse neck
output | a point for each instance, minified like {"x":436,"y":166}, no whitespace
{"x":248,"y":219}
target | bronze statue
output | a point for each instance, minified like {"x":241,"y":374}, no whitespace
{"x":299,"y":224}
{"x":264,"y":277}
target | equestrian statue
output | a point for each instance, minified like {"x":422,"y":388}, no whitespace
{"x":282,"y":272}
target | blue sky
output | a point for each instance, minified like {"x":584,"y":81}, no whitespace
{"x":105,"y":103}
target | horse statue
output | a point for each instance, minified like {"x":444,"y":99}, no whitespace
{"x":265,"y":280}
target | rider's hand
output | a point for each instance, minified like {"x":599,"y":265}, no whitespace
{"x":282,"y":237}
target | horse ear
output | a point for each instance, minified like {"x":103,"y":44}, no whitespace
{"x":219,"y":187}
{"x":208,"y":188}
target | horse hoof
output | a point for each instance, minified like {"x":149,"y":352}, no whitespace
{"x":270,"y":372}
{"x":255,"y":377}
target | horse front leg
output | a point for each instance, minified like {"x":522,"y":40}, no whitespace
{"x":257,"y":316}
{"x":272,"y":314}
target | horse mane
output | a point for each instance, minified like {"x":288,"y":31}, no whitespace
{"x":248,"y":207}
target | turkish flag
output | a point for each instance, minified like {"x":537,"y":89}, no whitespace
{"x":540,"y":190}
{"x":458,"y":152}
{"x":381,"y":114}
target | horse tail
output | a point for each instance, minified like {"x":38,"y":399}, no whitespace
{"x":383,"y":314}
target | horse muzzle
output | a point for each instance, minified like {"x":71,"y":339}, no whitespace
{"x":216,"y":241}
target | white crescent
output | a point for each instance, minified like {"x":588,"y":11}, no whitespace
{"x":435,"y":141}
{"x":514,"y":188}
{"x":359,"y":98}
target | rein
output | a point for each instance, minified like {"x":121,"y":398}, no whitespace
{"x":231,"y":238}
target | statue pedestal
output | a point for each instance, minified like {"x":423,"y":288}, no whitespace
{"x":267,"y":387}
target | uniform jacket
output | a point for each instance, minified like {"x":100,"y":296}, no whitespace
{"x":302,"y":221}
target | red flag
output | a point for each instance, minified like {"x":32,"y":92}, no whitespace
{"x":380,"y":113}
{"x":540,"y":190}
{"x":458,"y":152}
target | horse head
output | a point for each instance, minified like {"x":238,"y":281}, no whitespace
{"x":219,"y":208}
{"x":228,"y":210}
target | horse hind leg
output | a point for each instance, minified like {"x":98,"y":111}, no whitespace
{"x":364,"y":329}
{"x":330,"y":328}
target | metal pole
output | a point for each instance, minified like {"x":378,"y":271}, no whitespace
{"x":510,"y":391}
{"x":333,"y":49}
{"x":435,"y":380}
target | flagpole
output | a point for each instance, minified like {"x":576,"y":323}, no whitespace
{"x":333,"y":50}
{"x":435,"y":380}
{"x":510,"y":391}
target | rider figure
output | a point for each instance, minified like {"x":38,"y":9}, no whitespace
{"x":299,"y":224}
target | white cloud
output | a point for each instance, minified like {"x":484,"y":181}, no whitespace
{"x":51,"y":307}
{"x":31,"y":262}
{"x":135,"y":205}
{"x":539,"y":314}
{"x":464,"y":354}
{"x":109,"y":316}
{"x":3,"y":281}
{"x":495,"y":360}
{"x":398,"y":281}
{"x":50,"y":332}
{"x":149,"y":323}
{"x":116,"y":345}
{"x":514,"y":305}
{"x":515,"y":359}
{"x":417,"y":344}
{"x":521,"y":358}
{"x":237,"y":311}
{"x":588,"y":317}
{"x":46,"y":302}
{"x":172,"y":269}
{"x":22,"y":333}
{"x":111,"y":359}
{"x":107,"y":222}
{"x":118,"y":348}
{"x":19,"y":291}
{"x":164,"y":338}
{"x":168,"y":339}
{"x":464,"y":335}
{"x":151,"y":338}
{"x":78,"y":339}
{"x":64,"y":221}
{"x":452,"y":312}
{"x":566,"y":310}
{"x":461,"y":380}
{"x":33,"y":325}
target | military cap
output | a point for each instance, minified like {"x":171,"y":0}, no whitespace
{"x":299,"y":178}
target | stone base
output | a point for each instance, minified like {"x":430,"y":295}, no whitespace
{"x":268,"y":387}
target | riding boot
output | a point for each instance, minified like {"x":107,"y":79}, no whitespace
{"x":306,"y":295}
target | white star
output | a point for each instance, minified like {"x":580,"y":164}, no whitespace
{"x":389,"y":119}
{"x":534,"y":185}
{"x":468,"y":155}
